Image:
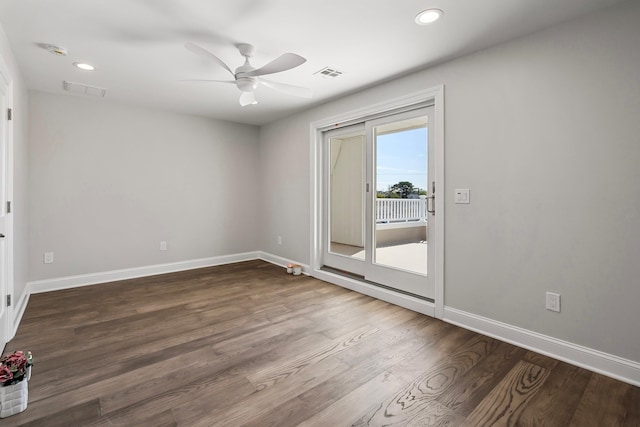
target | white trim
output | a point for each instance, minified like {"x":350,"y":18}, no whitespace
{"x":315,"y":183}
{"x":438,"y":262}
{"x":584,"y":357}
{"x":402,"y":300}
{"x":379,"y":107}
{"x":19,"y":310}
{"x":48,"y":285}
{"x":9,"y":326}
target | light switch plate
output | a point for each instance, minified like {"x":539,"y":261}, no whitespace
{"x":462,"y":195}
{"x":553,"y":302}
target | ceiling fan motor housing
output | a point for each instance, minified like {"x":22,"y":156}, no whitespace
{"x":245,"y":83}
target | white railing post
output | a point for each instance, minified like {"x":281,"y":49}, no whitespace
{"x":423,"y":208}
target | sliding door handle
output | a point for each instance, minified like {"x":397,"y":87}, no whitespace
{"x":2,"y":236}
{"x":431,"y":204}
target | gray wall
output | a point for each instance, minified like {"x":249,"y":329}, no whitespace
{"x":20,"y":169}
{"x":544,"y":130}
{"x":108,"y":182}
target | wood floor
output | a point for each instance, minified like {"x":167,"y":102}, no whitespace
{"x":247,"y":344}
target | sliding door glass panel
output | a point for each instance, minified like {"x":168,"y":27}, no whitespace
{"x":345,"y":206}
{"x":401,"y":173}
{"x":399,"y":226}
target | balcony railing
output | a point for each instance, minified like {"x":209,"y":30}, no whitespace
{"x":411,"y":212}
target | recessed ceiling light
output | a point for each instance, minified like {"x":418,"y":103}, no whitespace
{"x":428,"y":16}
{"x":83,"y":66}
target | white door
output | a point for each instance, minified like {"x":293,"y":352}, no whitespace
{"x":378,"y":181}
{"x":4,"y":220}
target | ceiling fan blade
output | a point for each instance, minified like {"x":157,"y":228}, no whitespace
{"x":206,"y":80}
{"x":302,"y":92}
{"x":205,"y":53}
{"x":284,"y":62}
{"x":247,"y":98}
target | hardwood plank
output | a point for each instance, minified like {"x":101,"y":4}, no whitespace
{"x":632,"y":407}
{"x":274,"y":374}
{"x":436,"y":415}
{"x":416,"y":396}
{"x":260,"y":402}
{"x":504,"y":403}
{"x":603,"y":403}
{"x":342,"y":411}
{"x":557,"y":399}
{"x":81,"y":414}
{"x":475,"y":384}
{"x":541,"y":360}
{"x":157,"y":419}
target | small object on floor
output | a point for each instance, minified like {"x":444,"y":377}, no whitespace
{"x":297,"y":270}
{"x":15,"y":372}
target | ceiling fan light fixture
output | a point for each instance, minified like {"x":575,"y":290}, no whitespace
{"x":428,"y":16}
{"x":84,"y":66}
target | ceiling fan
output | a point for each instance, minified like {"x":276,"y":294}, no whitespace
{"x":247,"y":78}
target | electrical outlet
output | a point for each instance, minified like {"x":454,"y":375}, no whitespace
{"x":553,"y":302}
{"x":163,"y":245}
{"x":48,"y":257}
{"x":279,"y":240}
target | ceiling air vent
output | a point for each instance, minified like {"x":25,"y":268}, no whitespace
{"x":83,"y":89}
{"x":328,"y":72}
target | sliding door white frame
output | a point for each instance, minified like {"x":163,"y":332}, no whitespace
{"x":433,"y":96}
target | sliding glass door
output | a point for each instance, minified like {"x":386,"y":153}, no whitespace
{"x":378,"y":193}
{"x":345,"y":199}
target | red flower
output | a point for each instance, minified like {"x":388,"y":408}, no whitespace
{"x":5,"y":374}
{"x":13,"y":367}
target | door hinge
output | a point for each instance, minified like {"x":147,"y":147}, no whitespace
{"x":10,"y":114}
{"x":8,"y":207}
{"x":8,"y":300}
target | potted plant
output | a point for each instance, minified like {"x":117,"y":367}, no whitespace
{"x":15,"y":371}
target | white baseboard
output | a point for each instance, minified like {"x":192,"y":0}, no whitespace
{"x":18,"y":310}
{"x":60,"y":283}
{"x":406,"y":301}
{"x":574,"y":354}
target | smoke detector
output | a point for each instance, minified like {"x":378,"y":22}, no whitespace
{"x":56,"y":50}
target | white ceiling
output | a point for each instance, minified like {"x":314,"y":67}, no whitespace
{"x":137,"y":46}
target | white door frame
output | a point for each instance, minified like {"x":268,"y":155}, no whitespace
{"x":7,"y":324}
{"x":433,"y":96}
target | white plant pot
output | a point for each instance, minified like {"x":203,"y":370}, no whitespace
{"x":297,"y":271}
{"x":14,"y":398}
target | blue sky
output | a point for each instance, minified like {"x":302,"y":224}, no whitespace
{"x":402,"y":156}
